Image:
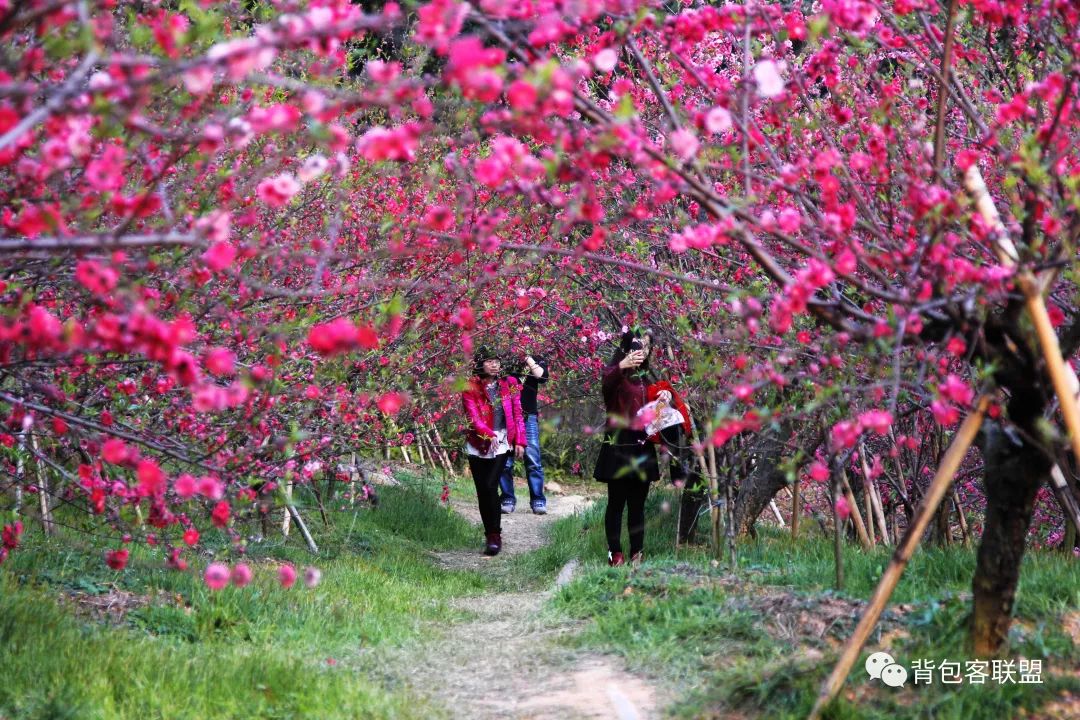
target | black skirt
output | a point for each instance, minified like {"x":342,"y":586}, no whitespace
{"x":626,"y":455}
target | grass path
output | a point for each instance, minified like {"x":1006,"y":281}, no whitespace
{"x":507,"y":662}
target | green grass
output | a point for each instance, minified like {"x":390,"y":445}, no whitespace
{"x":675,"y":620}
{"x":1050,"y":581}
{"x":256,"y":652}
{"x":264,"y":652}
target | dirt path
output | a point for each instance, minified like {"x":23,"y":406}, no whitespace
{"x":508,"y":663}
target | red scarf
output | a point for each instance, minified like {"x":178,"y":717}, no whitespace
{"x":653,"y":392}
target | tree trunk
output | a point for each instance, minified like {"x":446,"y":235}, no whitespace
{"x":764,"y":480}
{"x":1015,"y":470}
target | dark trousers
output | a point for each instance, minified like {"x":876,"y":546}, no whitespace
{"x":684,"y":469}
{"x":626,"y":495}
{"x":485,"y":474}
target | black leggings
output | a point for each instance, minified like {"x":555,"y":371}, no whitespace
{"x":629,"y":494}
{"x":486,"y":473}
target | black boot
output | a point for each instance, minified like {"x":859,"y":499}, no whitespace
{"x":494,"y":544}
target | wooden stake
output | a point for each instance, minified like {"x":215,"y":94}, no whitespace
{"x":796,"y":510}
{"x":291,"y":512}
{"x":442,"y":448}
{"x":714,"y":511}
{"x":19,"y":466}
{"x":352,"y":481}
{"x":868,"y":507}
{"x":856,"y":516}
{"x":420,"y":449}
{"x":937,"y":490}
{"x":729,"y":523}
{"x":838,"y":557}
{"x":776,"y":512}
{"x":960,"y":518}
{"x":288,"y":509}
{"x":870,"y":487}
{"x":1065,"y":496}
{"x":47,"y":524}
{"x":1062,"y":375}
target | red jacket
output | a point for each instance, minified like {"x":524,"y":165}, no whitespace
{"x":481,"y":415}
{"x":624,"y":395}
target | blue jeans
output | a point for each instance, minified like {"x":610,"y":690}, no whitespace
{"x":534,"y":471}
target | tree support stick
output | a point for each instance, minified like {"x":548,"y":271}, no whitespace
{"x":875,"y":497}
{"x":796,"y":510}
{"x":838,"y":556}
{"x":288,"y":509}
{"x":856,"y":516}
{"x":1065,"y":496}
{"x":303,"y":529}
{"x":420,"y":448}
{"x":714,"y":510}
{"x":935,"y":493}
{"x":19,"y":480}
{"x":1061,"y":375}
{"x":446,"y":456}
{"x":776,"y":512}
{"x":352,"y":481}
{"x":43,"y":491}
{"x":961,"y":519}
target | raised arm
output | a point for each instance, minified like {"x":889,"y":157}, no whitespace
{"x":538,"y":370}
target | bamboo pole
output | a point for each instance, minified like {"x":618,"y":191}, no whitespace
{"x":729,"y":523}
{"x":1062,"y":375}
{"x":960,"y":518}
{"x":20,"y":480}
{"x":838,"y":558}
{"x":875,"y":497}
{"x":420,"y":449}
{"x":714,"y":511}
{"x":856,"y":516}
{"x":937,"y":490}
{"x":352,"y":480}
{"x":796,"y":510}
{"x":776,"y":512}
{"x":47,"y":524}
{"x":901,"y":487}
{"x":1065,"y":496}
{"x":442,"y":447}
{"x":288,"y":509}
{"x":868,"y":509}
{"x":291,"y":512}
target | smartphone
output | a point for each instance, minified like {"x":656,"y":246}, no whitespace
{"x":636,"y":345}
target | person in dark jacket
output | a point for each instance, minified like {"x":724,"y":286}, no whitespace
{"x":675,"y":440}
{"x":495,"y":429}
{"x":535,"y":374}
{"x":627,"y":461}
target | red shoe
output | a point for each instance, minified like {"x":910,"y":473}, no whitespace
{"x":615,"y":559}
{"x":494,"y":544}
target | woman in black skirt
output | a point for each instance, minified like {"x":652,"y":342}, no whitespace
{"x":627,"y":461}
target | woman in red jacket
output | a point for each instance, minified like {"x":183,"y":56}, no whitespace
{"x":496,"y":428}
{"x":627,"y":461}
